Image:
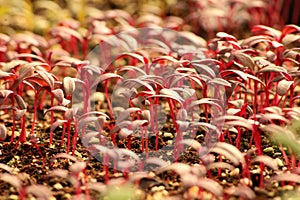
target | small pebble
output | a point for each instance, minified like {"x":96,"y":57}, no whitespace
{"x":57,"y":186}
{"x":269,"y":150}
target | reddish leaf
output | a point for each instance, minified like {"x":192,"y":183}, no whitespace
{"x":265,"y":30}
{"x":290,"y":28}
{"x":37,"y":80}
{"x":4,"y":75}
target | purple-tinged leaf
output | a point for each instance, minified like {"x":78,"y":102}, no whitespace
{"x":131,"y":68}
{"x":94,"y":113}
{"x":133,"y":55}
{"x":3,"y":133}
{"x":84,"y":121}
{"x":232,"y":150}
{"x":245,"y":59}
{"x":58,"y":95}
{"x":251,"y":41}
{"x":68,"y":85}
{"x":226,"y":36}
{"x":288,"y":177}
{"x":208,"y":101}
{"x":182,"y":114}
{"x":229,"y":72}
{"x":11,"y":179}
{"x":97,"y":186}
{"x":19,"y":114}
{"x":204,"y":69}
{"x":274,"y":109}
{"x":106,"y":151}
{"x":87,"y":138}
{"x":191,"y":143}
{"x":57,"y":108}
{"x":272,"y":69}
{"x":47,"y":77}
{"x":39,"y":191}
{"x":64,"y":155}
{"x":14,"y":64}
{"x":20,"y":101}
{"x":167,"y":97}
{"x":219,"y":81}
{"x":171,"y":93}
{"x":283,"y":86}
{"x":104,"y":77}
{"x":208,"y":184}
{"x":36,"y":80}
{"x":220,"y":165}
{"x":133,"y":83}
{"x":241,"y":191}
{"x":268,"y":161}
{"x":63,"y":173}
{"x":165,"y":58}
{"x":8,"y":107}
{"x":272,"y":116}
{"x":65,"y":33}
{"x":29,"y":55}
{"x":124,"y":133}
{"x":57,"y":123}
{"x":180,"y":168}
{"x":126,"y":113}
{"x":4,"y":94}
{"x":77,"y":167}
{"x":4,"y":166}
{"x":242,"y":123}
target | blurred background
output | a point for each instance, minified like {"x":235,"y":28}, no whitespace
{"x":203,"y":17}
